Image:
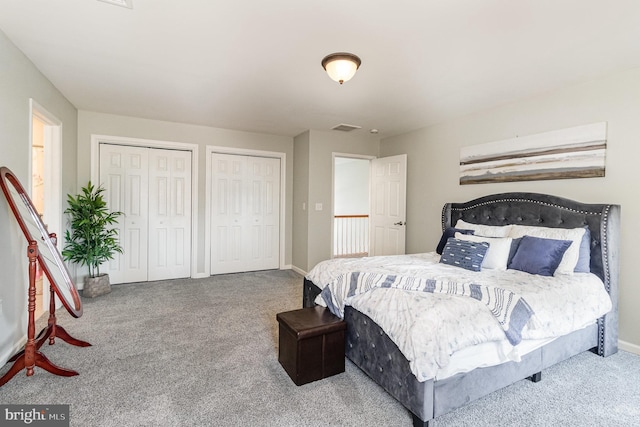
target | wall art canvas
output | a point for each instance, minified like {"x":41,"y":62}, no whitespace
{"x":577,"y":152}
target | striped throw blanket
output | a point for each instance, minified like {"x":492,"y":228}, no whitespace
{"x":510,"y":310}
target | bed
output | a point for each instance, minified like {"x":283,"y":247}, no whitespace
{"x":370,"y":348}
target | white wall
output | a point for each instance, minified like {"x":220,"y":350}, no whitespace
{"x":301,"y":179}
{"x":318,"y":147}
{"x":19,"y":81}
{"x":92,"y":123}
{"x":433,"y":165}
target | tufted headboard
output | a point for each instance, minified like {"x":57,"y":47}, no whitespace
{"x":544,"y":210}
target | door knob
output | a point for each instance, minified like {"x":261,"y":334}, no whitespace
{"x":399,"y":223}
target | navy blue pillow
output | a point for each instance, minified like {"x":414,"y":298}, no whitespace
{"x":540,"y":256}
{"x":584,"y":258}
{"x":514,"y":248}
{"x":464,"y":254}
{"x":449,"y":232}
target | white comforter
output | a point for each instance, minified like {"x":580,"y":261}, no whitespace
{"x":429,"y":328}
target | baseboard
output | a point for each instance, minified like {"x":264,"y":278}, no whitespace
{"x":627,"y":346}
{"x":298,"y":270}
{"x":199,"y":276}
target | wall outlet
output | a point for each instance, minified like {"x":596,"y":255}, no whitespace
{"x":318,"y":206}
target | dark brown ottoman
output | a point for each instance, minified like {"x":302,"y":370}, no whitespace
{"x":311,"y":344}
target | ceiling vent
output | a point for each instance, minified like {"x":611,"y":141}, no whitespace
{"x":342,"y":127}
{"x":123,"y":3}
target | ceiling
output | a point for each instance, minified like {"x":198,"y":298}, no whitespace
{"x":255,"y":66}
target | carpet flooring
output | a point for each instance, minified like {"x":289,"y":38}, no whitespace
{"x":203,"y":352}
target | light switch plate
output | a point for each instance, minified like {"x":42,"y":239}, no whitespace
{"x":318,"y":206}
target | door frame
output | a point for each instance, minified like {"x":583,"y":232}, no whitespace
{"x":53,"y":198}
{"x":210,"y":150}
{"x":152,"y":143}
{"x":333,"y":187}
{"x":53,"y":164}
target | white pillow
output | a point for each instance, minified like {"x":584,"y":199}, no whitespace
{"x":497,"y":255}
{"x":485,"y":230}
{"x":570,"y":257}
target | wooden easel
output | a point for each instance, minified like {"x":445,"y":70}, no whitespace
{"x":31,"y":356}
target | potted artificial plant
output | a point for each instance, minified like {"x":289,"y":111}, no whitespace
{"x":92,"y":239}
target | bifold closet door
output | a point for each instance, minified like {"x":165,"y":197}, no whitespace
{"x":245,"y":209}
{"x":152,"y":187}
{"x":124,"y":173}
{"x":169,"y":214}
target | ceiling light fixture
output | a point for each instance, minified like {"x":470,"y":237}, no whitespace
{"x":341,"y":66}
{"x":123,"y":3}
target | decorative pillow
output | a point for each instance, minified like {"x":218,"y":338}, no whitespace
{"x":449,"y":232}
{"x":538,"y":255}
{"x":485,"y":230}
{"x":570,"y":258}
{"x":514,"y":248}
{"x":584,"y":258}
{"x":467,"y":255}
{"x":497,"y":255}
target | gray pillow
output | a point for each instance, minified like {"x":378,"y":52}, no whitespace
{"x":584,"y":258}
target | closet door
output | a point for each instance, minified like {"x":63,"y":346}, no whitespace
{"x":124,"y":174}
{"x":263,"y":211}
{"x":228,"y":211}
{"x":152,"y":187}
{"x":169,"y":214}
{"x":245,"y":207}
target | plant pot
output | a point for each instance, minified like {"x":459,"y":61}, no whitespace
{"x":96,"y":286}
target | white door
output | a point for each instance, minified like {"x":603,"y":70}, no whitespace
{"x":169,"y":214}
{"x":152,"y":187}
{"x":263,"y":209}
{"x":245,"y":209}
{"x":124,"y":173}
{"x":388,"y":205}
